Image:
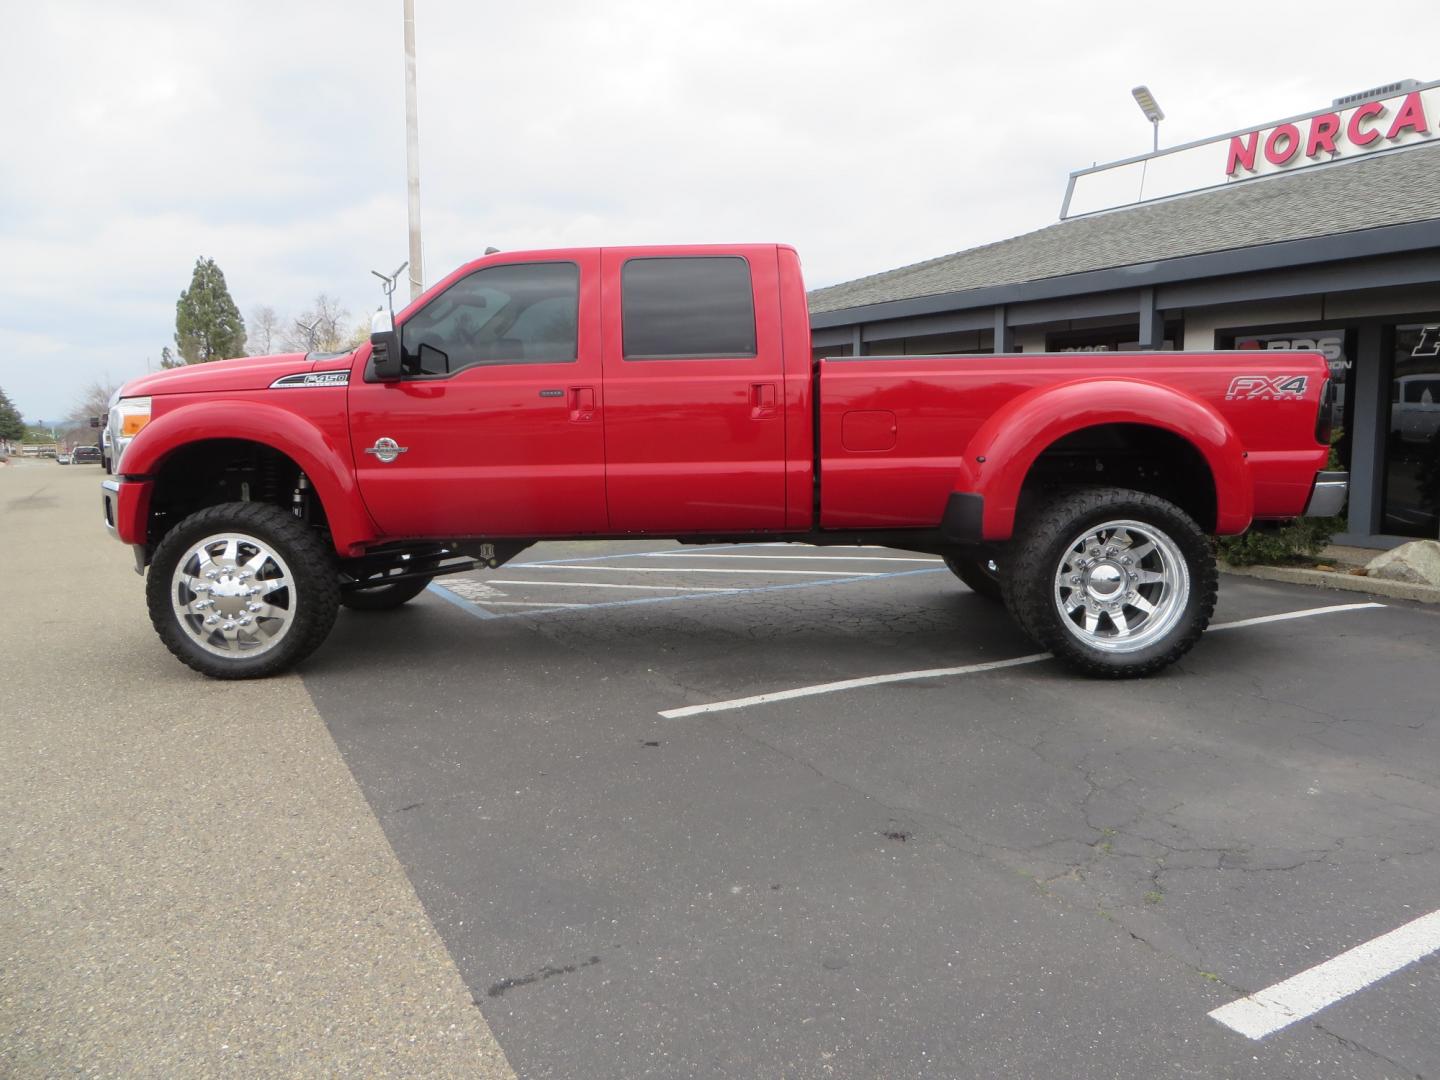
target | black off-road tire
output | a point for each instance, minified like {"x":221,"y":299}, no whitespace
{"x":974,"y":570}
{"x":1038,"y":550}
{"x":315,"y":596}
{"x":384,"y":597}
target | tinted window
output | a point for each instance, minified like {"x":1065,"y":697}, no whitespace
{"x":688,"y":308}
{"x":520,"y":314}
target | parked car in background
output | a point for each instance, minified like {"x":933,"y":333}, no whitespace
{"x":62,"y":459}
{"x":85,"y":455}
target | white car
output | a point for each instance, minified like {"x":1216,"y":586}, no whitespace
{"x":62,"y":459}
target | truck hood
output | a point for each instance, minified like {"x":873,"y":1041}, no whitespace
{"x":243,"y":373}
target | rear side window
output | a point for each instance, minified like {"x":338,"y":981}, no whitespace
{"x":688,"y":308}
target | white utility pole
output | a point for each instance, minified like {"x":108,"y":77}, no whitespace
{"x":412,"y":154}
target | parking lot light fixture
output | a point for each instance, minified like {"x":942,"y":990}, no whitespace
{"x":1151,"y":108}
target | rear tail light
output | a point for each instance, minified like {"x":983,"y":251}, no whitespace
{"x":1325,"y":419}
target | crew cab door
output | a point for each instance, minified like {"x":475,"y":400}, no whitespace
{"x":694,"y":391}
{"x":496,"y":428}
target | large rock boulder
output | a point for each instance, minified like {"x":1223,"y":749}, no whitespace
{"x":1417,"y":562}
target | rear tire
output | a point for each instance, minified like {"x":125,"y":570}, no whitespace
{"x":384,"y":597}
{"x":1116,"y":583}
{"x":979,"y":572}
{"x":242,"y":591}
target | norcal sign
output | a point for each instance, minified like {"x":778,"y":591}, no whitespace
{"x":1407,"y":118}
{"x":1375,"y":125}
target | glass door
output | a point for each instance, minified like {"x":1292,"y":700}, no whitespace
{"x":1412,"y":459}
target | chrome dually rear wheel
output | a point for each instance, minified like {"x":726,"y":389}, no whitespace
{"x":1121,"y":585}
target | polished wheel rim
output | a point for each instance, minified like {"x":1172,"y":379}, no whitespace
{"x":1121,"y":586}
{"x":233,"y":595}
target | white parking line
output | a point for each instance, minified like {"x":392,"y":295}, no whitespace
{"x":689,"y":570}
{"x":1285,"y":616}
{"x":850,"y":684}
{"x":530,"y":603}
{"x":967,"y":669}
{"x":1267,"y":1011}
{"x":613,"y":585}
{"x":814,"y":558}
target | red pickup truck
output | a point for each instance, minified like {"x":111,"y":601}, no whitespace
{"x":672,"y":392}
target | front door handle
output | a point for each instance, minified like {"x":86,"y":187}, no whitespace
{"x":582,"y":404}
{"x":762,"y":401}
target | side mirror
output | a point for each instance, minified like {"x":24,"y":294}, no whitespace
{"x":385,"y":356}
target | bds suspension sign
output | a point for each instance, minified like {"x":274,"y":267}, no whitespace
{"x":1408,"y":117}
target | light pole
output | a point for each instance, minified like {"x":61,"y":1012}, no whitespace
{"x":1151,"y":108}
{"x":412,"y":154}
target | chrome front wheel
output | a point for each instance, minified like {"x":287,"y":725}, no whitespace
{"x":242,"y":590}
{"x":233,"y":595}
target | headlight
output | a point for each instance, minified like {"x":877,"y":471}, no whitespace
{"x":127,"y":417}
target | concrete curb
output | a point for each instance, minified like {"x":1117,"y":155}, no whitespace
{"x":1294,"y":575}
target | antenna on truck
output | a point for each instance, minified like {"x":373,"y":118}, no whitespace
{"x":388,"y":283}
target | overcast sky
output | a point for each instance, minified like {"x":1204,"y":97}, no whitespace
{"x":270,"y":136}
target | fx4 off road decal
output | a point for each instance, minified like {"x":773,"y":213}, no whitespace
{"x":1249,"y":387}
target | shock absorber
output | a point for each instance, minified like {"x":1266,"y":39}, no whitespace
{"x":298,"y":503}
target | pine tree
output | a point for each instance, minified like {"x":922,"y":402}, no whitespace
{"x":208,"y":325}
{"x":168,"y":359}
{"x":12,"y":425}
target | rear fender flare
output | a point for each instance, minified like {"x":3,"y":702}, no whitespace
{"x":1001,"y":453}
{"x":325,"y":463}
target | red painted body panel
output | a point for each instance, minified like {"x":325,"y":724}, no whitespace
{"x":689,"y":446}
{"x":307,"y":425}
{"x":1008,"y":409}
{"x":684,"y":447}
{"x":486,"y":454}
{"x":132,"y":511}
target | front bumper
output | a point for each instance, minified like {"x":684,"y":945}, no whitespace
{"x":126,"y":506}
{"x":1327,"y":498}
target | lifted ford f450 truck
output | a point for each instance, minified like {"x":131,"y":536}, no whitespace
{"x":671,"y":392}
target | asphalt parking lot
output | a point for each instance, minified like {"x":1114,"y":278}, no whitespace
{"x":657,"y":839}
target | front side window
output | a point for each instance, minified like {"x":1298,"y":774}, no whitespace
{"x":523,"y":313}
{"x":679,"y":308}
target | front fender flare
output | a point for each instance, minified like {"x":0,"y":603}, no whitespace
{"x":1001,"y":453}
{"x":320,"y":457}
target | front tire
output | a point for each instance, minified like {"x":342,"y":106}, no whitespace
{"x":242,"y":591}
{"x":1116,"y":583}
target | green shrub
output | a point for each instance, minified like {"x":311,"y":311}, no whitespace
{"x":1279,"y":544}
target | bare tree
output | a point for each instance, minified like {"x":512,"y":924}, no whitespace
{"x":264,"y":330}
{"x":94,"y":401}
{"x":322,"y":327}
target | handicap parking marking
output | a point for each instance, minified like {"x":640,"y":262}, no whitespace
{"x":966,"y":669}
{"x":679,"y":592}
{"x":1300,"y":996}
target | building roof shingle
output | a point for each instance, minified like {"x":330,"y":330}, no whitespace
{"x":1388,"y":189}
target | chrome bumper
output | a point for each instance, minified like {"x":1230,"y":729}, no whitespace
{"x":110,"y":497}
{"x":1328,"y":497}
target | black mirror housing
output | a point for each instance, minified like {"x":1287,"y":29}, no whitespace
{"x":385,"y":356}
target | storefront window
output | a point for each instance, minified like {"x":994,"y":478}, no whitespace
{"x":1338,"y":349}
{"x":1412,"y":460}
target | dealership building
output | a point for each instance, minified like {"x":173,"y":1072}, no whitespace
{"x":1317,"y":232}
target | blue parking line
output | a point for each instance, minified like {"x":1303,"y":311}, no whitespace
{"x":460,"y":602}
{"x":481,"y":613}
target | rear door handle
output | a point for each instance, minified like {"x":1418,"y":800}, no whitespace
{"x":762,"y":401}
{"x":582,"y":404}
